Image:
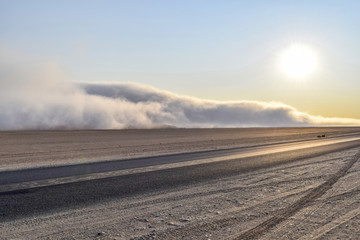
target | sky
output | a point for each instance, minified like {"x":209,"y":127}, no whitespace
{"x":222,"y":51}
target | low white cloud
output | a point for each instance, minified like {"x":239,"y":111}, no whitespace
{"x":38,"y":97}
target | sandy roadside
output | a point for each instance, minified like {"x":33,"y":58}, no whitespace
{"x":42,"y":148}
{"x":220,"y":208}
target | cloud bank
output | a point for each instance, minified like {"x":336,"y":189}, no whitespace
{"x":39,"y":98}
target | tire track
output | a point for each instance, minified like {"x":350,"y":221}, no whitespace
{"x":344,"y":195}
{"x":332,"y":225}
{"x":221,"y":222}
{"x":295,"y":207}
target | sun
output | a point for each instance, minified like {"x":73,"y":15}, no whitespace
{"x":298,"y":61}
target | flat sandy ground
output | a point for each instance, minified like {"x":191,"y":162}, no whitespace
{"x":221,"y":208}
{"x":21,"y":149}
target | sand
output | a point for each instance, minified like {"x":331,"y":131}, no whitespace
{"x":21,"y":149}
{"x":219,"y":208}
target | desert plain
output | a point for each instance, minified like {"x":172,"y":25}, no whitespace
{"x":249,"y":183}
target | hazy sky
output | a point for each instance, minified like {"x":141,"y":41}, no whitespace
{"x":218,"y":50}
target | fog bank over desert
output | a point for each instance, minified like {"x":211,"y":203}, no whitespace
{"x":39,"y":96}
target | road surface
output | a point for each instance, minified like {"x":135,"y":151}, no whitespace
{"x":27,"y":193}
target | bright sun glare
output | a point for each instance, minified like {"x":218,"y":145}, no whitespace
{"x":298,"y":61}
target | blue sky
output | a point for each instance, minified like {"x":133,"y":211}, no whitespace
{"x":221,"y":50}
